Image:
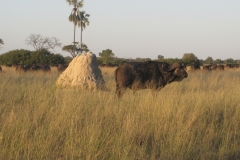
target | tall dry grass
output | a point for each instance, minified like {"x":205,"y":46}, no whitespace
{"x":197,"y":118}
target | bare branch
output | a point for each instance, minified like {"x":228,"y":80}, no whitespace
{"x":38,"y":42}
{"x":1,"y":41}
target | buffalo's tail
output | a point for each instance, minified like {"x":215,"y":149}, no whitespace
{"x":116,"y":80}
{"x":118,"y":90}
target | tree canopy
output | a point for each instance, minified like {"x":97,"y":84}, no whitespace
{"x":84,"y":48}
{"x":26,"y":57}
{"x":71,"y":49}
{"x":106,"y":56}
{"x":217,"y":61}
{"x":229,"y":60}
{"x":209,"y":60}
{"x":160,"y":57}
{"x":190,"y":59}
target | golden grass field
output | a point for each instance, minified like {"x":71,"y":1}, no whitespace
{"x":198,"y":118}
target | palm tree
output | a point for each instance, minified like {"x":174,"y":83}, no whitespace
{"x":73,"y":16}
{"x":82,"y":19}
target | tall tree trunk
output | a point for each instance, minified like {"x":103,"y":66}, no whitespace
{"x":74,"y":33}
{"x":81,"y":39}
{"x":75,"y":21}
{"x":74,"y":43}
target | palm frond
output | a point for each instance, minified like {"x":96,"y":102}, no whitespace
{"x":77,"y":4}
{"x":80,"y":4}
{"x":71,"y":18}
{"x":87,"y":23}
{"x":82,"y":19}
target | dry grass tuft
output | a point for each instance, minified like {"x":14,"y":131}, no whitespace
{"x":197,"y":118}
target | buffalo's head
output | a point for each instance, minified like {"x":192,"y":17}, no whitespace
{"x":176,"y":72}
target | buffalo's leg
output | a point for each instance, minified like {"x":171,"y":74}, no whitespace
{"x":134,"y":92}
{"x":120,"y":91}
{"x":155,"y":90}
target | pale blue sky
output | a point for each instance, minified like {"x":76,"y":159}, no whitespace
{"x":130,"y":28}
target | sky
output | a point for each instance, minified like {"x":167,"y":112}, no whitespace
{"x":130,"y":28}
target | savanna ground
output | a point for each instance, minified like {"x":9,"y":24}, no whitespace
{"x":198,"y":118}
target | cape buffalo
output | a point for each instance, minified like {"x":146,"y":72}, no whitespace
{"x":45,"y":68}
{"x":35,"y":67}
{"x":20,"y":68}
{"x":192,"y":67}
{"x":147,"y":75}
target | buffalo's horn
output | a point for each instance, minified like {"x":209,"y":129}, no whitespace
{"x":173,"y":66}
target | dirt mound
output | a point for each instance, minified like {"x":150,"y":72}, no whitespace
{"x":82,"y":72}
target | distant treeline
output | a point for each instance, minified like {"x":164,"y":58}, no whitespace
{"x":188,"y":61}
{"x":26,"y":57}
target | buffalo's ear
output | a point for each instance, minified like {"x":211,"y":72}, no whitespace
{"x":173,"y":67}
{"x":183,"y":65}
{"x":163,"y":66}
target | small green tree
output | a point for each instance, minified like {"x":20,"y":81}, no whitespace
{"x":160,"y":57}
{"x":229,"y":61}
{"x":138,"y":59}
{"x":218,"y":61}
{"x":209,"y":60}
{"x":84,"y":48}
{"x":106,"y":56}
{"x":71,"y":49}
{"x":190,"y":59}
{"x":237,"y":61}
